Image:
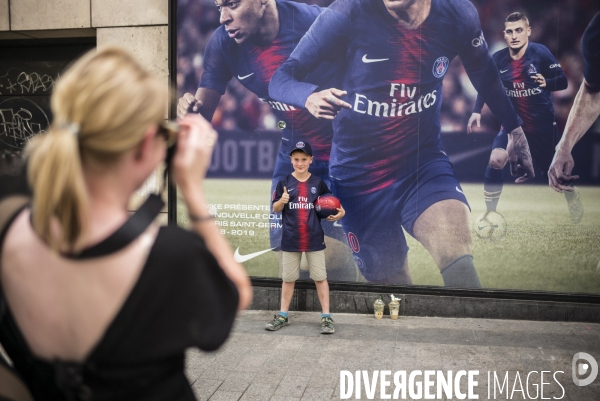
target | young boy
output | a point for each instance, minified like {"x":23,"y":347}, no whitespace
{"x":302,"y":232}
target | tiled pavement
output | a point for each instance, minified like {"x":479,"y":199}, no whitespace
{"x":298,"y":363}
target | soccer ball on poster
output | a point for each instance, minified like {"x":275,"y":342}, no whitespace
{"x":490,"y":226}
{"x":327,"y":205}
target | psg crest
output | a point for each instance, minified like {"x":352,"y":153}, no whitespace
{"x":531,"y":69}
{"x":440,"y":67}
{"x":300,"y":145}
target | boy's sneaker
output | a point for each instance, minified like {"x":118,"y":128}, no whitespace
{"x":277,"y":323}
{"x":327,"y":325}
{"x":575,"y":205}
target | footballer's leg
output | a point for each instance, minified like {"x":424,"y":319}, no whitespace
{"x":276,"y":226}
{"x":374,"y":233}
{"x":340,"y":262}
{"x":437,"y":215}
{"x":494,"y":180}
{"x":443,"y":229}
{"x":338,"y":256}
{"x":399,"y":276}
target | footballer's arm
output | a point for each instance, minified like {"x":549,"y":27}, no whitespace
{"x":476,"y":116}
{"x":552,"y":77}
{"x":326,"y":37}
{"x":585,"y":110}
{"x":205,"y":102}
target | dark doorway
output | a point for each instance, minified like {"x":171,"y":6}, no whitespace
{"x":28,"y":72}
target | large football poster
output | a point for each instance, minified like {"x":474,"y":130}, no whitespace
{"x":531,"y":243}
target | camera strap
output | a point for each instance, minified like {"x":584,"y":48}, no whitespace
{"x":123,"y":236}
{"x":127,"y":233}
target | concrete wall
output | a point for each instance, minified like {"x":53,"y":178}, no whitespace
{"x":138,"y":25}
{"x":35,"y":15}
{"x":49,"y":14}
{"x":4,"y":20}
{"x":268,"y":298}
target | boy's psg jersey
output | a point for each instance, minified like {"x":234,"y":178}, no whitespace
{"x":302,"y":230}
{"x":253,"y":65}
{"x":393,"y":77}
{"x":532,"y":103}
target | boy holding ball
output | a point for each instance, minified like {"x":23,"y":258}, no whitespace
{"x":302,"y":233}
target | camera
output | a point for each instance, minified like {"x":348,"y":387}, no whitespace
{"x":170,"y":131}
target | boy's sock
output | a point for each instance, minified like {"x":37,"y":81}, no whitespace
{"x":284,"y":314}
{"x":461,"y":273}
{"x":325,"y":315}
{"x":492,"y":187}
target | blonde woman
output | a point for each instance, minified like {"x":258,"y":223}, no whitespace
{"x":114,"y":326}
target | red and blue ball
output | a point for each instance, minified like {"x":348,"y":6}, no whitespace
{"x":327,"y":205}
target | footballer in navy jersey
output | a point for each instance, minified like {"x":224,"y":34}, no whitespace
{"x":254,"y":39}
{"x":253,"y":63}
{"x":529,"y":73}
{"x":585,"y":111}
{"x":532,"y":102}
{"x":388,"y":164}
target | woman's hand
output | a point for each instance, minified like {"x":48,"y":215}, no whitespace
{"x":195,"y":145}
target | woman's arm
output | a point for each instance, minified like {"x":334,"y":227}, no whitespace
{"x":191,"y":161}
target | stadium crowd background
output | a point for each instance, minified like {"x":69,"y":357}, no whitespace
{"x":557,"y":24}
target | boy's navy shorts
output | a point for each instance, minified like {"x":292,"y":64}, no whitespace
{"x":283,"y":167}
{"x":373,"y":222}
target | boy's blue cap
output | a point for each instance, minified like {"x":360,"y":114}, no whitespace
{"x":303,"y":146}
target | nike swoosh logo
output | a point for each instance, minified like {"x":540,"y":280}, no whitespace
{"x":290,"y":190}
{"x":245,"y":76}
{"x":372,"y":60}
{"x":242,"y":258}
{"x":458,"y":189}
{"x":336,"y":224}
{"x":502,"y":72}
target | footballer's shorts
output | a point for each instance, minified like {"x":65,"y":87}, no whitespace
{"x":541,"y":145}
{"x":373,"y":222}
{"x":283,"y":167}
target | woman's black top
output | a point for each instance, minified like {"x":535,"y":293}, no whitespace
{"x":181,"y":299}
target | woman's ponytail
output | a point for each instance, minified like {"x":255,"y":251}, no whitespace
{"x":102,"y":107}
{"x":60,"y":196}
